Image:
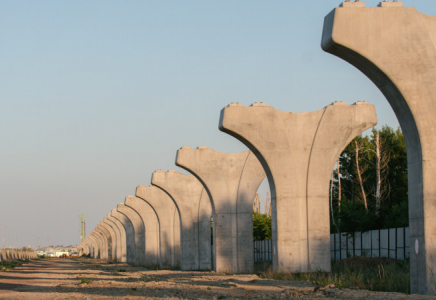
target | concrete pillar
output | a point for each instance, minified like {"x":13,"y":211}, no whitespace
{"x":106,"y":239}
{"x":122,"y":233}
{"x":116,"y":237}
{"x":113,"y":240}
{"x":139,"y":229}
{"x":395,"y":47}
{"x":231,"y":179}
{"x":298,"y":152}
{"x":195,"y":210}
{"x":94,"y":246}
{"x":102,"y":253}
{"x":148,"y":216}
{"x":169,"y":224}
{"x":130,"y":235}
{"x":96,"y":249}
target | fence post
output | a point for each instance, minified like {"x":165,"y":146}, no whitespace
{"x":389,"y":243}
{"x":404,"y":241}
{"x":354,"y":244}
{"x":340,"y":245}
{"x":334,"y":246}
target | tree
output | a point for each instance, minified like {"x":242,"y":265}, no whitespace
{"x":261,"y":227}
{"x":370,"y":186}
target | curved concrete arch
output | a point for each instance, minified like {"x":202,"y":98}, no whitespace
{"x":95,"y":249}
{"x":98,"y":252}
{"x":85,"y":247}
{"x":298,"y":152}
{"x":122,"y":237}
{"x":110,"y":242}
{"x":102,"y":245}
{"x":90,"y":246}
{"x":395,"y":47}
{"x":122,"y":233}
{"x":130,"y":235}
{"x":151,"y":223}
{"x":107,"y":243}
{"x":169,"y":224}
{"x":195,"y":210}
{"x":231,"y":180}
{"x":139,"y":230}
{"x":114,"y":239}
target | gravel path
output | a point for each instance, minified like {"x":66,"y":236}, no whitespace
{"x":94,"y":279}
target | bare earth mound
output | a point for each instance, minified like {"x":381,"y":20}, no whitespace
{"x":94,"y":279}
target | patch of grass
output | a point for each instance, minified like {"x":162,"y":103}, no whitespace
{"x":119,"y":271}
{"x":7,"y":265}
{"x":83,"y":280}
{"x":375,"y":274}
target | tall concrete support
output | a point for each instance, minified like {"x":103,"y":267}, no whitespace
{"x":97,"y":237}
{"x":103,"y":251}
{"x":95,"y":251}
{"x":122,"y":233}
{"x":231,"y":180}
{"x":195,"y":210}
{"x":92,"y":245}
{"x":116,"y":236}
{"x":148,"y":216}
{"x":395,"y":47}
{"x":130,"y":235}
{"x":298,"y":152}
{"x":113,"y":239}
{"x":139,"y":229}
{"x":169,"y":224}
{"x":106,"y":239}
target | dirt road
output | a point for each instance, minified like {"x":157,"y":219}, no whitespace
{"x":93,"y":279}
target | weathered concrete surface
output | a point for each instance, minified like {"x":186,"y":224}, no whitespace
{"x":148,"y":216}
{"x":169,"y":224}
{"x":116,"y":236}
{"x":395,"y":47}
{"x":139,"y":232}
{"x":130,"y":235}
{"x":122,"y":232}
{"x":298,"y":152}
{"x":195,"y":210}
{"x":231,"y":180}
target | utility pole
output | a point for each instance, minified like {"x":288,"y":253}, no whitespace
{"x":84,"y":230}
{"x":81,"y":227}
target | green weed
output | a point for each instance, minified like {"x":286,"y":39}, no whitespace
{"x":83,"y":280}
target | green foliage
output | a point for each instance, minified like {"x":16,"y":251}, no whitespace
{"x":261,"y":227}
{"x":7,"y":265}
{"x":351,"y":214}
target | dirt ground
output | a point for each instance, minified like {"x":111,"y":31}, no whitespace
{"x":82,"y":278}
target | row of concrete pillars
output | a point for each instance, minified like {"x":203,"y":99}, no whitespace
{"x":168,"y":223}
{"x":13,"y":254}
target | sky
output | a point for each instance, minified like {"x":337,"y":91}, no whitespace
{"x":97,"y":95}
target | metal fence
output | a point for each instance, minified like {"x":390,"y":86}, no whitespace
{"x":262,"y":250}
{"x":392,"y":243}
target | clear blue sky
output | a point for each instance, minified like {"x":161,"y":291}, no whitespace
{"x":96,"y":95}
